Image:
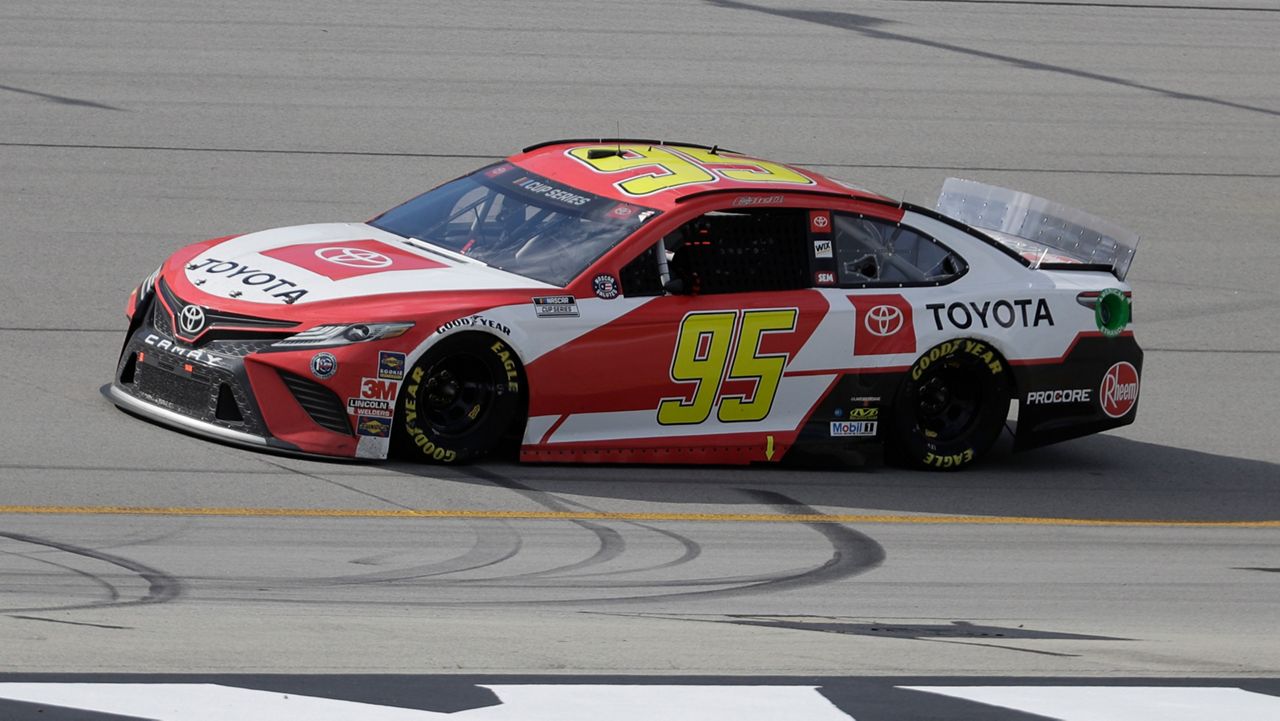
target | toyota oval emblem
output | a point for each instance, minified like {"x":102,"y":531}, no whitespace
{"x":354,"y":257}
{"x":191,"y":319}
{"x":883,"y":320}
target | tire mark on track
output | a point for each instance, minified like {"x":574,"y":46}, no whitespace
{"x":161,"y":587}
{"x":611,"y":543}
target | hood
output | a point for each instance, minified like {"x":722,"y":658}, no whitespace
{"x":311,"y":263}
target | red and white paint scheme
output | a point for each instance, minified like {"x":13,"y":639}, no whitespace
{"x":635,"y":301}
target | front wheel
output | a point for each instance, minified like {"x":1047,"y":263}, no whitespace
{"x":459,"y":399}
{"x":951,"y":407}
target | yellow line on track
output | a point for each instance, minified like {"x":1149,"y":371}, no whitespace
{"x":603,"y":516}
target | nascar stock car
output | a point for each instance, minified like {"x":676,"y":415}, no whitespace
{"x":638,"y":301}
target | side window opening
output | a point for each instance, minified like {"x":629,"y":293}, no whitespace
{"x":642,"y":277}
{"x":739,"y":252}
{"x":874,"y":252}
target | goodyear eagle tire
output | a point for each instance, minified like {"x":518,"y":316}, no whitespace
{"x":459,"y":399}
{"x":952,"y":406}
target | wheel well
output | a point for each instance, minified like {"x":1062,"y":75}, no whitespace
{"x":1009,"y":373}
{"x":482,"y":338}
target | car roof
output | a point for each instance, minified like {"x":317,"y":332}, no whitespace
{"x":659,"y":174}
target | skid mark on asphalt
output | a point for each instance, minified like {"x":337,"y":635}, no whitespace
{"x":530,"y":515}
{"x":161,"y":587}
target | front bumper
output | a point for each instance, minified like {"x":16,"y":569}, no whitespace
{"x":219,"y":392}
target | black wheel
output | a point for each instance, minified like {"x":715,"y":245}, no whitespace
{"x":459,"y":399}
{"x":951,"y":407}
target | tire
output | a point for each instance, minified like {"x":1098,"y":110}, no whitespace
{"x":459,"y":399}
{"x":951,"y":407}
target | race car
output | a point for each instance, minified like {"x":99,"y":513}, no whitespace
{"x":637,"y":301}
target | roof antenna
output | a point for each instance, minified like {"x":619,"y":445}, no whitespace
{"x":618,"y":136}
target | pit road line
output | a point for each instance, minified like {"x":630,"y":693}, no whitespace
{"x":608,"y":516}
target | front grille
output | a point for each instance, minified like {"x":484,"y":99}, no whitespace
{"x":322,"y":404}
{"x":219,"y":324}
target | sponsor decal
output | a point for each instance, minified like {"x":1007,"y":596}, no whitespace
{"x":819,"y":223}
{"x":351,"y":258}
{"x":499,"y":170}
{"x":473,"y":321}
{"x":605,"y":286}
{"x":822,"y":248}
{"x":323,"y":365}
{"x":192,"y":354}
{"x":379,"y":389}
{"x":373,"y":426}
{"x":391,"y":365}
{"x":1073,"y":395}
{"x":191,"y":320}
{"x":258,"y":280}
{"x":824,"y":277}
{"x":884,"y":325}
{"x":1119,"y":390}
{"x":1111,"y":312}
{"x":948,"y":461}
{"x":1022,"y":312}
{"x":846,"y":429}
{"x":371,"y":407}
{"x":864,"y":414}
{"x":942,"y":350}
{"x":555,"y":306}
{"x":546,"y":190}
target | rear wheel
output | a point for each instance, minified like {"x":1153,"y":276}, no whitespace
{"x":459,"y":399}
{"x":951,"y":407}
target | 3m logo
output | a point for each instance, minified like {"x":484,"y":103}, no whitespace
{"x":379,"y":389}
{"x":883,"y":325}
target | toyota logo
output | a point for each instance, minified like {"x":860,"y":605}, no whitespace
{"x":354,"y":257}
{"x":191,"y":319}
{"x":883,"y":320}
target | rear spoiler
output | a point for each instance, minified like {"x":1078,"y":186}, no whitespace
{"x":1043,"y":233}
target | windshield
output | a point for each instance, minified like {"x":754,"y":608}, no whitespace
{"x":523,"y":223}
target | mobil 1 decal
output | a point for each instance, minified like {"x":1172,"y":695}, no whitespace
{"x":882,"y":325}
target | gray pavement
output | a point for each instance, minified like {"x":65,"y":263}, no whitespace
{"x":128,"y":129}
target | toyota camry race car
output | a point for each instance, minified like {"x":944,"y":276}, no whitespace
{"x":636,"y":301}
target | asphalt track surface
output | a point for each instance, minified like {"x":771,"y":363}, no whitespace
{"x":128,"y":129}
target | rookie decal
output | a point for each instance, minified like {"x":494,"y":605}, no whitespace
{"x":555,"y":306}
{"x":258,"y":280}
{"x":605,"y":286}
{"x":390,"y":365}
{"x":1004,"y":313}
{"x":339,"y":260}
{"x":1119,"y":390}
{"x":323,"y":365}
